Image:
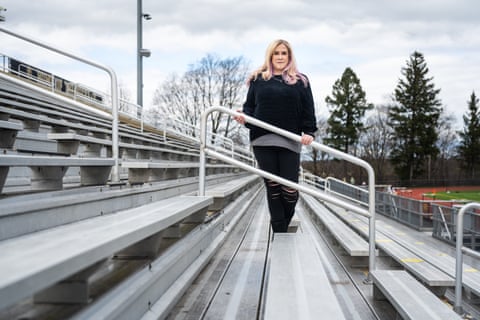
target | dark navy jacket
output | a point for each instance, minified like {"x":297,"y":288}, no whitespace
{"x":289,"y":107}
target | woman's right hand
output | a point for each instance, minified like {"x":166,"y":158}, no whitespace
{"x":240,"y":118}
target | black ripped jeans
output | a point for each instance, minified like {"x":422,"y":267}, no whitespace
{"x":281,"y":199}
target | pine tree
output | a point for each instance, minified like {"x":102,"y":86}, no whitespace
{"x":414,"y":119}
{"x":347,"y":105}
{"x":469,"y":148}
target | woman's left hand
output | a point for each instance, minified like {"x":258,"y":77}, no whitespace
{"x":306,"y":139}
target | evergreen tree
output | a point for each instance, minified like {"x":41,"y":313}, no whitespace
{"x":347,"y":106}
{"x":414,"y":119}
{"x":469,"y":148}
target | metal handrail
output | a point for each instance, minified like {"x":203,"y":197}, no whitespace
{"x":370,"y":213}
{"x":328,"y":188}
{"x":114,"y":88}
{"x":460,"y":249}
{"x":170,"y":124}
{"x":312,"y":179}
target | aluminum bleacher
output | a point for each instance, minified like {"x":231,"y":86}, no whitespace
{"x":81,"y":232}
{"x":76,"y":244}
{"x":351,"y":242}
{"x":427,"y":272}
{"x":297,"y":284}
{"x":53,"y":258}
{"x":410,"y":298}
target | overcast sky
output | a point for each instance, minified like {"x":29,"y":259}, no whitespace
{"x":373,"y":37}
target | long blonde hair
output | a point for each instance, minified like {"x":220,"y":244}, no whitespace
{"x":290,"y":74}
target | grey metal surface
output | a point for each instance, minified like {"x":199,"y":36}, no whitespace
{"x":224,"y":193}
{"x":437,"y":256}
{"x":8,"y":125}
{"x":29,"y":141}
{"x":410,"y":298}
{"x":28,"y":213}
{"x":47,"y":172}
{"x":42,"y":118}
{"x":158,"y":164}
{"x":409,"y":259}
{"x":33,"y":262}
{"x":242,"y":252}
{"x":238,"y":290}
{"x":113,"y":87}
{"x":8,"y":133}
{"x":298,"y":287}
{"x":152,"y":292}
{"x":352,"y":242}
{"x":230,"y":186}
{"x":459,"y":255}
{"x":347,"y":280}
{"x":12,"y":160}
{"x":81,"y":138}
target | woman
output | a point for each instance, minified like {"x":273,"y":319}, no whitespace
{"x":280,"y":95}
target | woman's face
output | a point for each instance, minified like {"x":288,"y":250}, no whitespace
{"x":280,"y":58}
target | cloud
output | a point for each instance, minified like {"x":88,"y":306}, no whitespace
{"x":374,"y":38}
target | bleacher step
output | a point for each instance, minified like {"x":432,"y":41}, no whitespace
{"x":408,"y":296}
{"x":298,"y":287}
{"x":35,"y":261}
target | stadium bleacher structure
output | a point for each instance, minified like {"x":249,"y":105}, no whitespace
{"x":75,"y":244}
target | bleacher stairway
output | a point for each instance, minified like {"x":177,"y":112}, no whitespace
{"x":75,"y":245}
{"x":70,"y":239}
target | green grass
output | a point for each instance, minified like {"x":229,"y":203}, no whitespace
{"x":456,"y":195}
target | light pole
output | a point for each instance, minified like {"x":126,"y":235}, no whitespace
{"x":141,"y":52}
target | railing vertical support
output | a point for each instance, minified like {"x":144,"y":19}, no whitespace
{"x":114,"y":87}
{"x":459,"y":253}
{"x":203,"y":143}
{"x":371,"y":219}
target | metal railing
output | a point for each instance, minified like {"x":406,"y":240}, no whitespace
{"x":73,"y":90}
{"x":114,"y":89}
{"x":460,"y":249}
{"x":170,"y":126}
{"x":346,"y":190}
{"x":370,"y":213}
{"x":312,"y":179}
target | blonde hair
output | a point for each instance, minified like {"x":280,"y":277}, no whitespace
{"x":290,"y":74}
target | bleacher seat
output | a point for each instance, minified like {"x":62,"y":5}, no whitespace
{"x":411,"y":300}
{"x":36,"y":261}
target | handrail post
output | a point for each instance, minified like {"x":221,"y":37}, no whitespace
{"x":203,"y":143}
{"x":459,"y":256}
{"x":371,"y":226}
{"x":114,"y":87}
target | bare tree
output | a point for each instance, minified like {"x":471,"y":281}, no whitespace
{"x":376,"y":140}
{"x":210,"y":82}
{"x":232,"y":73}
{"x":125,"y":98}
{"x":447,"y":145}
{"x":315,"y":156}
{"x":178,"y":98}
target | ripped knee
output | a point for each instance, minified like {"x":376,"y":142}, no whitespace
{"x":274,"y":189}
{"x":289,"y":194}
